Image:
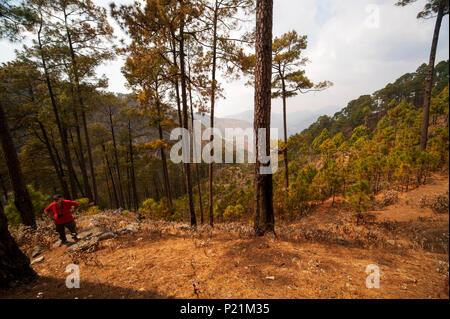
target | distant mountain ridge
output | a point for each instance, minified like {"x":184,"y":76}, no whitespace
{"x":296,"y":121}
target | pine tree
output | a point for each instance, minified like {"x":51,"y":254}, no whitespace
{"x":440,"y":8}
{"x":264,"y":216}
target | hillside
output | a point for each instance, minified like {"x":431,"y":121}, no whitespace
{"x":322,"y":256}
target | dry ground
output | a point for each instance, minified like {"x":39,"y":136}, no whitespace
{"x":323,"y":256}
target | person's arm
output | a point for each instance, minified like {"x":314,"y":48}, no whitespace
{"x":71,"y":203}
{"x":47,"y":210}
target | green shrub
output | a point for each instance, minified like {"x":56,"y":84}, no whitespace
{"x":93,"y":210}
{"x":238,"y":210}
{"x":39,"y":200}
{"x":229,"y":212}
{"x":358,"y":196}
{"x":157,"y":210}
{"x":233,"y":212}
{"x":83,"y":204}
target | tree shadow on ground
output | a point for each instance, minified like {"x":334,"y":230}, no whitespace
{"x":55,"y":288}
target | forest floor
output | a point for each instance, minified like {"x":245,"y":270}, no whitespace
{"x":324,"y":255}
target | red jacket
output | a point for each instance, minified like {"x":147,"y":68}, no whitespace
{"x":63,"y":210}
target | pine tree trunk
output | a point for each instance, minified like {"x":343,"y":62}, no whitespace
{"x":78,"y":159}
{"x":89,"y":149}
{"x":213,"y":100}
{"x":82,"y":110}
{"x":14,"y":265}
{"x":59,"y":173}
{"x":429,"y":80}
{"x":108,"y":187}
{"x":87,"y":187}
{"x":175,"y":82}
{"x":116,"y":159}
{"x":155,"y":185}
{"x":264,"y":217}
{"x":58,"y":157}
{"x":2,"y":184}
{"x":286,"y":164}
{"x":135,"y":199}
{"x":46,"y":141}
{"x":63,"y":136}
{"x":163,"y":157}
{"x":187,"y":166}
{"x":21,"y":197}
{"x":113,"y":185}
{"x":200,"y":203}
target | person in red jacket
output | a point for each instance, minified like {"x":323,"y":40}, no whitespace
{"x":60,"y":212}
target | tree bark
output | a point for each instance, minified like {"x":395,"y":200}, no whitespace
{"x":21,"y":197}
{"x":135,"y":200}
{"x":175,"y":82}
{"x":200,"y":203}
{"x":62,"y":133}
{"x":213,"y":100}
{"x":82,"y":110}
{"x":59,"y":172}
{"x":113,"y":185}
{"x":78,"y":160}
{"x":286,"y":164}
{"x":128,"y":194}
{"x":5,"y":191}
{"x":163,"y":154}
{"x":108,"y":187}
{"x":187,"y":166}
{"x":429,"y":80}
{"x":87,"y":187}
{"x":116,"y":159}
{"x":89,"y":149}
{"x":14,"y":265}
{"x":264,"y":217}
{"x":46,"y":141}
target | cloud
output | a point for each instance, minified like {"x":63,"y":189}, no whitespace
{"x":357,"y":56}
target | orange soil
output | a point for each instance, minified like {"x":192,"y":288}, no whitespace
{"x":218,"y":264}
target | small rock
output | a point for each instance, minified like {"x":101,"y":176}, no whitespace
{"x":123,"y":231}
{"x":84,"y":245}
{"x":84,"y":234}
{"x":270,"y":277}
{"x":40,"y":295}
{"x":134,"y":228}
{"x":106,"y":235}
{"x":37,"y":250}
{"x":142,"y":289}
{"x":37,"y":260}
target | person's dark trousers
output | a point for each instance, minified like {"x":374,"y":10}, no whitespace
{"x":62,"y":231}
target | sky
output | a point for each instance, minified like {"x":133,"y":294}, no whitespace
{"x":359,"y":45}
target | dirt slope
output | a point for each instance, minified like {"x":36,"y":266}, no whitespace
{"x":323,"y":256}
